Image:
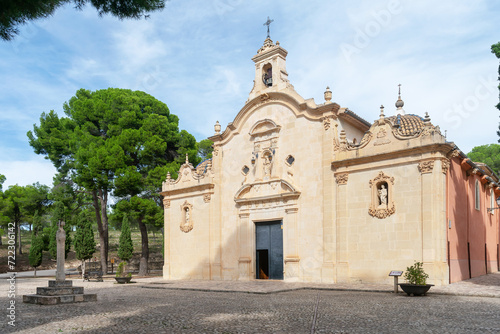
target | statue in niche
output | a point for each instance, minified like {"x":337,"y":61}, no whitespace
{"x":268,"y":161}
{"x":382,"y":195}
{"x":187,"y":216}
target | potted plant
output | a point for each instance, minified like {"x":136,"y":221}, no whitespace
{"x":122,"y":277}
{"x":416,"y":280}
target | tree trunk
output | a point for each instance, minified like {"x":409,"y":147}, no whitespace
{"x":143,"y":264}
{"x":103,"y":232}
{"x":103,"y":196}
{"x":35,"y":272}
{"x":19,"y":235}
{"x":83,"y":270}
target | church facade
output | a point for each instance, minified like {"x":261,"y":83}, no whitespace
{"x":311,"y":192}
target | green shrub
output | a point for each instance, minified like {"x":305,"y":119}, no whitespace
{"x":416,"y":274}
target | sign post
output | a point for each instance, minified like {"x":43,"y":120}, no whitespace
{"x":396,"y":274}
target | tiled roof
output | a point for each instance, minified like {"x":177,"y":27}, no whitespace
{"x":408,"y":125}
{"x":202,"y":167}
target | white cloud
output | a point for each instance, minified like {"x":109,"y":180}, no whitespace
{"x":27,"y":172}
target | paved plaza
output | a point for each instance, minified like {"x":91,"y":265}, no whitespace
{"x":152,"y":305}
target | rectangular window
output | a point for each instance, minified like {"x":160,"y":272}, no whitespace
{"x":477,"y":201}
{"x":492,"y":200}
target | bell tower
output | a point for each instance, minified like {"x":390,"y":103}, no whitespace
{"x":270,"y":68}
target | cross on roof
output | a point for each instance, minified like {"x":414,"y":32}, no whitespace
{"x":268,"y":23}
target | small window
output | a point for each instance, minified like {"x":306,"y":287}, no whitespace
{"x":492,"y":200}
{"x":245,"y":170}
{"x":290,"y":160}
{"x":477,"y":199}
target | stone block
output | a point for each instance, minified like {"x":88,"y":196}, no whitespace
{"x":55,"y":291}
{"x":65,"y":283}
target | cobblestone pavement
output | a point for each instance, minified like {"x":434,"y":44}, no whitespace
{"x":152,"y":305}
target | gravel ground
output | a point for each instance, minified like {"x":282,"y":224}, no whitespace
{"x":144,"y":307}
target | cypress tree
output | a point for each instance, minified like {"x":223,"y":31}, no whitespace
{"x":84,"y":242}
{"x":125,"y":247}
{"x":35,"y":254}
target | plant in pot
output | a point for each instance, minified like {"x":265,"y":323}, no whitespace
{"x":121,"y":275}
{"x":416,"y":279}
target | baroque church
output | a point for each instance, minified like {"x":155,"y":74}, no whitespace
{"x":307,"y":192}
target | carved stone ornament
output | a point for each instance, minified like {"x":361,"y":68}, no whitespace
{"x":166,"y":203}
{"x":326,"y":123}
{"x":382,"y":213}
{"x":382,"y":205}
{"x":454,"y":154}
{"x":187,"y":217}
{"x":426,"y":166}
{"x":216,"y":150}
{"x":342,"y":178}
{"x":206,"y":198}
{"x":445,"y":165}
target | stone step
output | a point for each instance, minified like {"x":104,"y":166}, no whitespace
{"x":57,"y":291}
{"x":53,"y":300}
{"x":65,"y":283}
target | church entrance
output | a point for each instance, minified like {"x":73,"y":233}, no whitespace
{"x":269,"y":250}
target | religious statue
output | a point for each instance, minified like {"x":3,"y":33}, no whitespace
{"x":187,"y":216}
{"x":267,"y":165}
{"x":382,"y":195}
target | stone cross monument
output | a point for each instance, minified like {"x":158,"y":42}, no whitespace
{"x":61,"y":240}
{"x":60,"y":290}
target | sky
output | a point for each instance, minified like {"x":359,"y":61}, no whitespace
{"x":196,"y":57}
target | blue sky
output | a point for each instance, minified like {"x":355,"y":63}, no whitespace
{"x":196,"y":57}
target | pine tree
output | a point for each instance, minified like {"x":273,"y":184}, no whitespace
{"x":125,"y":247}
{"x":84,"y":242}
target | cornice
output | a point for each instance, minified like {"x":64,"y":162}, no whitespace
{"x":441,"y":148}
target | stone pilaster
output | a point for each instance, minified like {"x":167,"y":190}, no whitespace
{"x":433,"y":232}
{"x":342,"y":264}
{"x":245,"y":242}
{"x":292,"y":258}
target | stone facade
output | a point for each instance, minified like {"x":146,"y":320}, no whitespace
{"x":353,"y":200}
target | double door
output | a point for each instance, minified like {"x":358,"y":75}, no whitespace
{"x":269,"y":250}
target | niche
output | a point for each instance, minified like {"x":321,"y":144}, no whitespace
{"x":267,"y":75}
{"x":382,"y":204}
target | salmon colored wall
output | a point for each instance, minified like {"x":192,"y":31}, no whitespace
{"x":474,"y":232}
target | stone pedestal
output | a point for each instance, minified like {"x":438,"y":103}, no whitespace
{"x":59,"y":292}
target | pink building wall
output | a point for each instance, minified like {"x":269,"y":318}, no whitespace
{"x":473,"y":235}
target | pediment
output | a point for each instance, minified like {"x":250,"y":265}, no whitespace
{"x":263,"y":127}
{"x":266,"y":190}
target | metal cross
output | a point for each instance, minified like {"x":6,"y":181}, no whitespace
{"x":268,"y":23}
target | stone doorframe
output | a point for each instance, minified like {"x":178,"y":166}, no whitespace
{"x":262,"y":212}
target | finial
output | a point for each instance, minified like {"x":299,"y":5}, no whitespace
{"x":328,"y":95}
{"x":399,"y":102}
{"x":187,"y":159}
{"x":217,"y":128}
{"x":168,"y":176}
{"x":427,"y":118}
{"x":268,"y":23}
{"x":381,"y":120}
